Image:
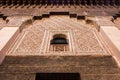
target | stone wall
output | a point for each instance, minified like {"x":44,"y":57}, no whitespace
{"x":89,"y":67}
{"x":88,"y":55}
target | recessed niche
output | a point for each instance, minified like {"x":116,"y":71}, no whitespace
{"x":57,"y":76}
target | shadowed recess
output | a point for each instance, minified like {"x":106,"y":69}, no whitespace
{"x":60,"y":2}
{"x":57,"y":76}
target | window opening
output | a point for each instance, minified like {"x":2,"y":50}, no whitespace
{"x":59,"y":43}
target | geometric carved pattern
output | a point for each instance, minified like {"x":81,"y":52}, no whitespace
{"x":31,"y":42}
{"x":83,"y":37}
{"x":87,"y":42}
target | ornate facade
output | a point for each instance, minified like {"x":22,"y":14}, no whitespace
{"x":59,"y":39}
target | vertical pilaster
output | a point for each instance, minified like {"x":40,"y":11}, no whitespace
{"x":7,"y":37}
{"x":9,"y":34}
{"x":111,"y":35}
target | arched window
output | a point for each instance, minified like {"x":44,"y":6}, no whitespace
{"x":59,"y":42}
